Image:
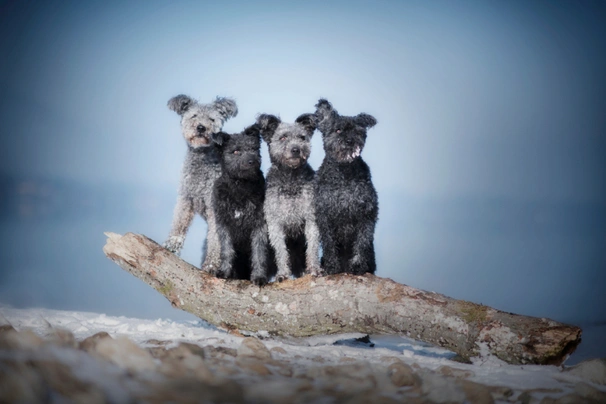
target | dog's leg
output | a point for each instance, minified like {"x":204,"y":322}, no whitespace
{"x":277,"y":238}
{"x":259,"y":243}
{"x":184,"y":214}
{"x":227,"y":254}
{"x":312,"y":238}
{"x":212,"y":260}
{"x":363,"y":253}
{"x":330,"y":252}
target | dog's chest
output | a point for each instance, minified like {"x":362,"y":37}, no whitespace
{"x":239,"y":206}
{"x":345,"y":189}
{"x":243,"y":214}
{"x":289,"y":199}
{"x":288,"y":208}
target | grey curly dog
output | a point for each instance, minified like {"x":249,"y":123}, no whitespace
{"x":289,"y":204}
{"x":199,"y":124}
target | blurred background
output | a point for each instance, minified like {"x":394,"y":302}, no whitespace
{"x":489,"y":156}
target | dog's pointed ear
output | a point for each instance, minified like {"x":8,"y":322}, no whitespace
{"x":226,"y":107}
{"x":324,"y":110}
{"x":365,"y":120}
{"x":253,"y":130}
{"x":220,"y":138}
{"x":180,"y":103}
{"x":308,"y":121}
{"x":268,"y":125}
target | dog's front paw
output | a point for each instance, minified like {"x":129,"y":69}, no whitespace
{"x":315,"y":272}
{"x":330,"y":267}
{"x":211,"y":267}
{"x":223,"y":271}
{"x":281,"y":276}
{"x":174,"y":244}
{"x":258,"y":280}
{"x":358,"y":268}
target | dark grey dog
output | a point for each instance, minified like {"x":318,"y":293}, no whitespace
{"x":346,"y":201}
{"x":289,"y":207}
{"x":199,"y":123}
{"x":238,"y":196}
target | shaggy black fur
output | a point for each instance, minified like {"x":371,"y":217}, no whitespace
{"x":238,"y":197}
{"x":346,"y":201}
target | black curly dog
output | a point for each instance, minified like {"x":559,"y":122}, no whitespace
{"x":238,"y":197}
{"x":346,"y":202}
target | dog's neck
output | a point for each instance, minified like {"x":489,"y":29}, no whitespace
{"x":292,"y":173}
{"x":204,"y":153}
{"x":295,"y":171}
{"x":201,"y":150}
{"x":344,"y":164}
{"x":238,"y":179}
{"x":348,"y":170}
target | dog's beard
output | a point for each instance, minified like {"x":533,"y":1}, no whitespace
{"x":199,"y":141}
{"x":347,"y":156}
{"x":356,"y":153}
{"x":294,"y":162}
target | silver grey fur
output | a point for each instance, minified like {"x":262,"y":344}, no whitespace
{"x":199,"y":124}
{"x":289,"y":197}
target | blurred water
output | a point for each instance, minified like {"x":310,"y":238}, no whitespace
{"x":61,"y":266}
{"x":593,"y":343}
{"x":544,"y":259}
{"x":52,"y":254}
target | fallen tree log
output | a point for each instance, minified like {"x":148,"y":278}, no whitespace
{"x":343,"y":303}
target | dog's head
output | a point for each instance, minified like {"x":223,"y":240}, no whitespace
{"x":289,"y":143}
{"x":240,"y":152}
{"x":200,"y":122}
{"x":344,"y":136}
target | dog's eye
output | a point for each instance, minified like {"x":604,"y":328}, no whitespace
{"x":194,"y":115}
{"x":211,"y":119}
{"x":302,"y":137}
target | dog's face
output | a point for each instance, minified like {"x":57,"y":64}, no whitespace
{"x":241,"y":152}
{"x":344,"y":136}
{"x":200,"y":122}
{"x":289,"y":143}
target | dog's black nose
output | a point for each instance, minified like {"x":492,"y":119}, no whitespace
{"x":295,"y":151}
{"x":201,"y":129}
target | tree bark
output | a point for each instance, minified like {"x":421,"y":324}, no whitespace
{"x":344,"y":303}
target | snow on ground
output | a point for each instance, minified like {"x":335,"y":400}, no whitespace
{"x":334,"y":349}
{"x":487,"y":370}
{"x":83,"y":325}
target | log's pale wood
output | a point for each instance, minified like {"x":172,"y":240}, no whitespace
{"x":343,"y":303}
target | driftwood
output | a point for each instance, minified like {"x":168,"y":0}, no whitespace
{"x":343,"y":303}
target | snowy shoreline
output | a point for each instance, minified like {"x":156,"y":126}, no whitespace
{"x":327,"y":369}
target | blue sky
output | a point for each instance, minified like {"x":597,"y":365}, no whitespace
{"x":488,"y":155}
{"x":484,"y":98}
